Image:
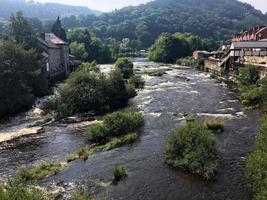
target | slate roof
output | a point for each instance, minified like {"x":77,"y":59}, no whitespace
{"x":51,"y":40}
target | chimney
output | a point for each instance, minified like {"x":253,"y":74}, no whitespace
{"x":42,"y":35}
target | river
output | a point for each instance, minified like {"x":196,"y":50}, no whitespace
{"x":164,"y":101}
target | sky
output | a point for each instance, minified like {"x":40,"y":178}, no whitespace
{"x":109,"y":5}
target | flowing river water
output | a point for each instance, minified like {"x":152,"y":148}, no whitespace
{"x":164,"y":101}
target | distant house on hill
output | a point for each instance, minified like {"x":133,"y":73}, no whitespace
{"x":253,"y":34}
{"x":56,"y":55}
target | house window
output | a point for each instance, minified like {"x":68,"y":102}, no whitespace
{"x":47,"y":67}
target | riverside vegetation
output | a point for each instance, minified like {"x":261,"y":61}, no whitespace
{"x":100,"y":92}
{"x":192,"y":148}
{"x":254,"y":95}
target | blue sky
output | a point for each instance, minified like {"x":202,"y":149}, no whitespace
{"x":108,"y":5}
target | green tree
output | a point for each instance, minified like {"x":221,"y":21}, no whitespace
{"x":22,"y":31}
{"x":78,"y":50}
{"x":20,"y":71}
{"x":125,"y":66}
{"x":58,"y":30}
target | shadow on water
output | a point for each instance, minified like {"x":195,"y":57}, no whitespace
{"x":164,"y":101}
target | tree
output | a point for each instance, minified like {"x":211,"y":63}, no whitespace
{"x":22,"y":31}
{"x":78,"y":50}
{"x":19,"y":72}
{"x":168,"y":48}
{"x":125,"y":66}
{"x":58,"y":30}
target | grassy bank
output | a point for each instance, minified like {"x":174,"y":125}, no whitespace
{"x":256,"y":166}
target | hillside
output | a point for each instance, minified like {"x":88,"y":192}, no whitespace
{"x":217,"y":19}
{"x":41,"y":11}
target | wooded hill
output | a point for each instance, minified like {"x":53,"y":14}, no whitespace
{"x":41,"y":11}
{"x":217,"y":19}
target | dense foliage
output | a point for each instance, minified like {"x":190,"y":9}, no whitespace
{"x":170,"y":47}
{"x":192,"y":148}
{"x":114,"y":125}
{"x":253,"y":90}
{"x":125,"y":66}
{"x":88,"y":48}
{"x":216,"y":19}
{"x":256,"y":167}
{"x":20,"y":76}
{"x":87,"y":89}
{"x":22,"y":31}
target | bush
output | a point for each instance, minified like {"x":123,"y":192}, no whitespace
{"x":137,"y":81}
{"x":115,"y":124}
{"x":89,"y":90}
{"x":71,"y":157}
{"x":131,"y":92}
{"x":256,"y":165}
{"x":17,"y":189}
{"x":125,"y":66}
{"x":252,"y":96}
{"x":158,"y":72}
{"x":83,"y":154}
{"x":248,"y":75}
{"x":40,"y":83}
{"x":123,"y":122}
{"x":20,"y":71}
{"x":41,"y":171}
{"x":215,"y":126}
{"x":188,"y":61}
{"x":97,"y":133}
{"x":192,"y":148}
{"x":81,"y":194}
{"x":50,"y":104}
{"x":119,"y":173}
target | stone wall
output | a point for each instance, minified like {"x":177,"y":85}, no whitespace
{"x":212,"y":64}
{"x":256,"y":59}
{"x":55,"y":66}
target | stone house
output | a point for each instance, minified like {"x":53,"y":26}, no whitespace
{"x":56,"y":55}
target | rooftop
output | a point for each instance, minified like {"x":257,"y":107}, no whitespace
{"x":51,"y":40}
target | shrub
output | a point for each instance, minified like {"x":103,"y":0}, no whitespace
{"x":188,"y":61}
{"x":131,"y":92}
{"x":41,"y":171}
{"x":17,"y":189}
{"x":89,"y":90}
{"x":81,"y":194}
{"x":71,"y":157}
{"x":50,"y":104}
{"x":256,"y":165}
{"x":252,"y":96}
{"x":215,"y":126}
{"x":97,"y":133}
{"x":125,"y":66}
{"x":83,"y":154}
{"x":248,"y":75}
{"x":137,"y":81}
{"x":158,"y":72}
{"x":119,"y":172}
{"x":192,"y":148}
{"x":115,"y":124}
{"x":123,"y":122}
